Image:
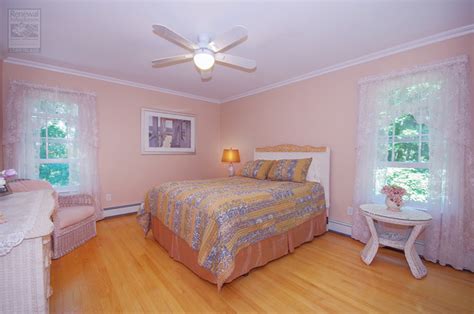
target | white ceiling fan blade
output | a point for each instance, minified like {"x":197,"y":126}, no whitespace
{"x":171,"y":60}
{"x":171,"y":35}
{"x":228,"y":38}
{"x":206,"y":74}
{"x":236,"y":61}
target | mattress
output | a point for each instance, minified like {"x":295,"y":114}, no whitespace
{"x":218,"y":218}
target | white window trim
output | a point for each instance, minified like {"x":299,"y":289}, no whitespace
{"x":420,"y":138}
{"x":66,"y":118}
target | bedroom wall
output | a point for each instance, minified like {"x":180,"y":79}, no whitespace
{"x":124,"y":172}
{"x":1,"y":113}
{"x":322,"y":111}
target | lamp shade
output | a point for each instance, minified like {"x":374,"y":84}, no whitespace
{"x":231,"y":155}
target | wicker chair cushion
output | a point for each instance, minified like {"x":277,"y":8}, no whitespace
{"x":68,"y":216}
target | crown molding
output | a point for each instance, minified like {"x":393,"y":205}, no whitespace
{"x":64,"y":70}
{"x":453,"y":33}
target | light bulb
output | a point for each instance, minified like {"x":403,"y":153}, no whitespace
{"x":204,"y":59}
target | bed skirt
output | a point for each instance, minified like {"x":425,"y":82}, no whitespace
{"x":252,"y":256}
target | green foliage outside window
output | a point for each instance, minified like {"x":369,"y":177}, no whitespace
{"x":54,"y":142}
{"x":408,"y":143}
{"x":408,"y":140}
{"x":414,"y":180}
{"x":56,"y":174}
{"x":416,"y":93}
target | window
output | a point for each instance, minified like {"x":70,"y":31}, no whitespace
{"x":52,"y":134}
{"x":414,"y":129}
{"x":404,"y":154}
{"x":55,"y":144}
{"x":406,"y":157}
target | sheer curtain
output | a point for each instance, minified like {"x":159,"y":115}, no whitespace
{"x":450,"y":237}
{"x":20,"y":133}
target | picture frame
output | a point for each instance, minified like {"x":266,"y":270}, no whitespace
{"x":167,"y":132}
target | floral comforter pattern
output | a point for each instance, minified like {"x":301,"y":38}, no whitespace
{"x":219,"y":217}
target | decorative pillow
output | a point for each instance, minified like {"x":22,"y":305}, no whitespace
{"x":290,"y":170}
{"x":257,"y":169}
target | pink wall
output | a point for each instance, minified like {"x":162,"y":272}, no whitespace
{"x":319,"y":111}
{"x":1,"y":113}
{"x":322,"y":111}
{"x":124,"y":172}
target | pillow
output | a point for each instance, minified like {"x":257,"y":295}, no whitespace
{"x":257,"y":169}
{"x":290,"y":170}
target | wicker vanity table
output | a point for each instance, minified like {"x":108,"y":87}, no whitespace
{"x":25,"y":252}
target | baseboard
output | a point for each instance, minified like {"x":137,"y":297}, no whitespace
{"x":340,"y":227}
{"x":121,"y":210}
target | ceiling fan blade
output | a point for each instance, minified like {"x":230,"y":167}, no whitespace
{"x":171,"y":35}
{"x":240,"y":62}
{"x":172,"y":60}
{"x":228,"y":38}
{"x":206,"y":74}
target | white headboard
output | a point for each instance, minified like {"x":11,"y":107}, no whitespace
{"x":319,"y":170}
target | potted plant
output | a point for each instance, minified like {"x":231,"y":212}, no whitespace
{"x":394,"y":196}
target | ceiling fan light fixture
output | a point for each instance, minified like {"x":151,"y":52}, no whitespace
{"x":204,"y":59}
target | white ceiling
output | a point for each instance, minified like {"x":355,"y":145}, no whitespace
{"x":286,"y":38}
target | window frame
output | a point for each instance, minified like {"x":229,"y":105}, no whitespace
{"x":46,"y":118}
{"x":390,"y":140}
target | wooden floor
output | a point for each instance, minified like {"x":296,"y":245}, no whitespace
{"x":121,"y":271}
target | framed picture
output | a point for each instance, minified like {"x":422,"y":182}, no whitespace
{"x":167,"y":132}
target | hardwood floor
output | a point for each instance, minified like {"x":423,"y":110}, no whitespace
{"x":121,"y":271}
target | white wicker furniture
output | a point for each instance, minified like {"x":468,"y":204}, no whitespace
{"x":74,"y":223}
{"x":412,"y":218}
{"x":25,"y":269}
{"x":74,"y":217}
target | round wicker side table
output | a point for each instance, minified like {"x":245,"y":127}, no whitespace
{"x":414,"y":219}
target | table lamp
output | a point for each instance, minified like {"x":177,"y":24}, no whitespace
{"x":231,"y":155}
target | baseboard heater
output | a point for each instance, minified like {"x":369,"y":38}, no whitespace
{"x":121,"y":210}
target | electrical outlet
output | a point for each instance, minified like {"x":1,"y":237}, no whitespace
{"x":350,"y":210}
{"x":108,"y":197}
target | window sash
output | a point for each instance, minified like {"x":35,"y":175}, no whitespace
{"x":47,"y":118}
{"x":401,"y":164}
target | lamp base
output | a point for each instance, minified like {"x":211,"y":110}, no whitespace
{"x":231,"y":170}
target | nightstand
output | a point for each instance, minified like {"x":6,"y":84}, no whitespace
{"x":414,"y":219}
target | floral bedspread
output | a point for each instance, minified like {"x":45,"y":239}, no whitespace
{"x":219,"y":217}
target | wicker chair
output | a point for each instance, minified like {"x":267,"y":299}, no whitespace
{"x":74,"y":223}
{"x":73,"y":218}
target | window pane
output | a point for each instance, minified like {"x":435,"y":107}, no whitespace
{"x":57,"y":128}
{"x":64,"y":109}
{"x":414,"y":180}
{"x":415,"y":93}
{"x":406,"y":126}
{"x":406,"y":152}
{"x":425,"y":152}
{"x":55,"y":108}
{"x":56,"y":174}
{"x":57,"y":150}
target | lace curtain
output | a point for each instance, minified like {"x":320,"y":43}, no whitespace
{"x":20,"y":134}
{"x":446,"y":112}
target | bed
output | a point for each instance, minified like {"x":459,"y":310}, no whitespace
{"x":222,"y":228}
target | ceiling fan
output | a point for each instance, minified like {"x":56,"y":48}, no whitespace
{"x":206,"y":52}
